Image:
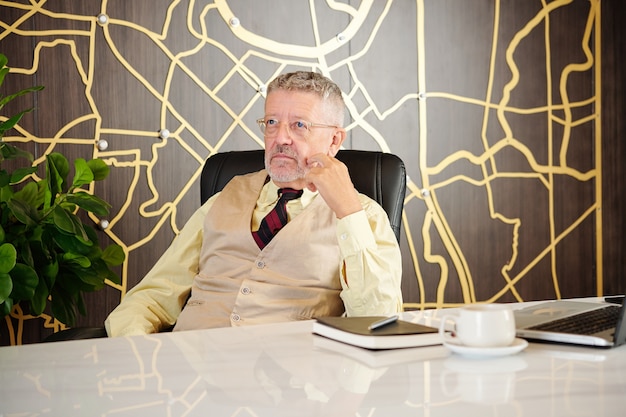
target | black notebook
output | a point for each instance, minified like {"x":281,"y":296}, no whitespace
{"x":354,"y":331}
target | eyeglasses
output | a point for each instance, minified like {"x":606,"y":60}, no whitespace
{"x":298,"y":128}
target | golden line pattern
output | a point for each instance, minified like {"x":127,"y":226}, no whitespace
{"x":246,"y":58}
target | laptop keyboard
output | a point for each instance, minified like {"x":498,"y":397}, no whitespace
{"x":589,"y":322}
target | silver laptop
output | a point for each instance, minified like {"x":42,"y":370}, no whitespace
{"x":573,"y":322}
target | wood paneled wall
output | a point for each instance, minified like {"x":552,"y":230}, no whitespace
{"x":508,"y":115}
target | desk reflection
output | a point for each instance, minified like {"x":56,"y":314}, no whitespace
{"x":283,"y":369}
{"x":482,"y":382}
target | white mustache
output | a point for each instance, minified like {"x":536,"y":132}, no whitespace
{"x":283,"y":150}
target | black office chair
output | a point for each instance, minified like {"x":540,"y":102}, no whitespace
{"x":381,"y":176}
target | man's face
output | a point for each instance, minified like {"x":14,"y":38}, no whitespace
{"x":286,"y":151}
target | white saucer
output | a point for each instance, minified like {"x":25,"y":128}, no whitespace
{"x":486,"y":352}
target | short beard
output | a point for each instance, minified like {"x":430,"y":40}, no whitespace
{"x":283,"y":176}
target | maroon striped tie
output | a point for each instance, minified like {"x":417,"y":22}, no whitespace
{"x":275,"y":219}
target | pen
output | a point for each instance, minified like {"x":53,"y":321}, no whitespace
{"x":380,"y":323}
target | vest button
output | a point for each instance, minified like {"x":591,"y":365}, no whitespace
{"x":260,"y":264}
{"x":245,"y":291}
{"x":235,"y":317}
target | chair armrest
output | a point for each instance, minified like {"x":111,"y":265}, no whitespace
{"x":77,"y":333}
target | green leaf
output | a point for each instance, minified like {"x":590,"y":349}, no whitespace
{"x":90,"y":203}
{"x":28,"y":194}
{"x":38,"y":302}
{"x":113,"y":255}
{"x":24,"y":212}
{"x":63,"y":220}
{"x":81,"y":234}
{"x":49,"y":272}
{"x":42,"y":189}
{"x":10,"y":97}
{"x":69,"y":207}
{"x":69,"y":243}
{"x":114,"y":278}
{"x":68,"y":223}
{"x":6,"y":286}
{"x":11,"y":122}
{"x":105,"y":273}
{"x":63,"y":306}
{"x":91,"y":278}
{"x":12,"y":152}
{"x":25,"y":281}
{"x":93,"y":236}
{"x":57,"y":169}
{"x":5,"y":194}
{"x":3,"y":72}
{"x":82,"y":173}
{"x":80,"y":260}
{"x":6,"y":307}
{"x":8,"y":257}
{"x":20,"y":173}
{"x":99,"y":168}
{"x":5,"y":178}
{"x":25,"y":248}
{"x":48,"y":197}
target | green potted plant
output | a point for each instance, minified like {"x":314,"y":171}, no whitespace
{"x":48,"y":255}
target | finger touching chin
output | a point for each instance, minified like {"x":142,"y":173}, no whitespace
{"x":313,"y":164}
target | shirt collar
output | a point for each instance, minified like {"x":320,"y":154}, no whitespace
{"x":269,"y":194}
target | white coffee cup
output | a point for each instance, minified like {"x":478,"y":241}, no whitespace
{"x":481,"y":325}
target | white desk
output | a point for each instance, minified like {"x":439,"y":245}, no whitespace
{"x":284,"y":370}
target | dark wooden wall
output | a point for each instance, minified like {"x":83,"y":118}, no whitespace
{"x":613,"y":148}
{"x":434,"y":82}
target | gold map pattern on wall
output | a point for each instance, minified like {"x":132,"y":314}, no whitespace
{"x":487,"y":127}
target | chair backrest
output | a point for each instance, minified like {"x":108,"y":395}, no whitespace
{"x":381,"y":176}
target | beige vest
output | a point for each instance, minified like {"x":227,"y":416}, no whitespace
{"x":295,"y":277}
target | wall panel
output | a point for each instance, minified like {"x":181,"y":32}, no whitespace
{"x":493,"y":106}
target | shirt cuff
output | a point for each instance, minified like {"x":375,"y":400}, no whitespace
{"x":354,"y":234}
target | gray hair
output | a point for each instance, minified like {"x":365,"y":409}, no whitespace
{"x":312,"y":82}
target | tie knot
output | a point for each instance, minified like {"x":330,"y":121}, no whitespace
{"x":288,"y":194}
